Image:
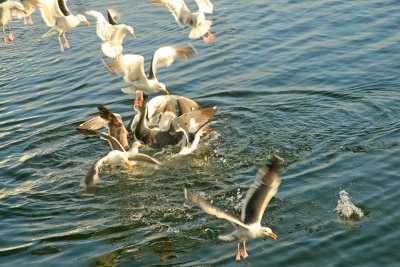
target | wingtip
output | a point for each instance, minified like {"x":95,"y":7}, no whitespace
{"x":185,"y":191}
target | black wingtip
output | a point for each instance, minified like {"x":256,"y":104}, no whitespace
{"x":275,"y":163}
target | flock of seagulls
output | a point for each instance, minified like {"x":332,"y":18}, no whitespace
{"x":165,"y":120}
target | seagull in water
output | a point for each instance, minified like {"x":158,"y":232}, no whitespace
{"x":257,"y":197}
{"x":111,"y":32}
{"x":9,"y":9}
{"x":131,"y":67}
{"x":183,"y":16}
{"x":57,"y":16}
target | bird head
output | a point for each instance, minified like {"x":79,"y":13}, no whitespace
{"x":138,"y":144}
{"x":130,"y":31}
{"x":83,"y":19}
{"x":268,"y":232}
{"x":161,"y":87}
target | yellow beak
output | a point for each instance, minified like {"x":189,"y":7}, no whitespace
{"x":128,"y":165}
{"x":165,"y":91}
{"x":87,"y":23}
{"x":133,"y":35}
{"x":273,"y":235}
{"x":142,"y":145}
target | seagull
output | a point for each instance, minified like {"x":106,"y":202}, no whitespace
{"x":183,"y":16}
{"x":131,"y":67}
{"x":117,"y":156}
{"x":174,"y":131}
{"x":9,"y":9}
{"x":56,"y":15}
{"x":111,"y":32}
{"x":257,"y":197}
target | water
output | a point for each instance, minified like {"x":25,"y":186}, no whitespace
{"x":316,"y":82}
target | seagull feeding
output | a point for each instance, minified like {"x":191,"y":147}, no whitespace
{"x":111,"y":32}
{"x":183,"y":16}
{"x":131,"y":67}
{"x":9,"y":9}
{"x":56,"y":15}
{"x":257,"y":198}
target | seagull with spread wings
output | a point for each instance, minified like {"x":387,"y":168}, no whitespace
{"x":131,"y":67}
{"x":111,"y":32}
{"x":257,"y":198}
{"x":56,"y":15}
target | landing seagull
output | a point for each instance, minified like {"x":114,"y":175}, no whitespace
{"x":183,"y":16}
{"x":9,"y":9}
{"x":111,"y":32}
{"x":257,"y":197}
{"x":56,"y":15}
{"x":131,"y":67}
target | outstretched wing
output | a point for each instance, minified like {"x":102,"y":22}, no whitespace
{"x":114,"y":144}
{"x":62,"y":4}
{"x":177,"y":8}
{"x":91,"y":179}
{"x":194,"y":120}
{"x":210,"y":209}
{"x":94,"y":123}
{"x":166,"y":55}
{"x":103,"y":29}
{"x":131,"y":67}
{"x":116,"y":128}
{"x":142,"y":157}
{"x":205,"y":5}
{"x":261,"y":191}
{"x":49,"y":9}
{"x":113,"y":16}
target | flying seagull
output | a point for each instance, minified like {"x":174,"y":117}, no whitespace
{"x":111,"y":32}
{"x":183,"y":16}
{"x":257,"y":197}
{"x":9,"y":9}
{"x":131,"y":67}
{"x":56,"y":15}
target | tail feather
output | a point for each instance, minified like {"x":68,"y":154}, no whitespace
{"x":49,"y":33}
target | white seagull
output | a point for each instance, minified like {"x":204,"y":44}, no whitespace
{"x":259,"y":194}
{"x":131,"y":67}
{"x":56,"y":15}
{"x":9,"y":9}
{"x":117,"y":156}
{"x":111,"y":32}
{"x":183,"y":16}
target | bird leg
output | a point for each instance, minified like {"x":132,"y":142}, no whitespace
{"x":6,"y":41}
{"x":11,"y":35}
{"x":238,"y":252}
{"x":244,"y":252}
{"x":209,"y":38}
{"x":59,"y":40}
{"x":110,"y":169}
{"x":29,"y":20}
{"x":25,"y":21}
{"x":138,"y":99}
{"x":66,"y":44}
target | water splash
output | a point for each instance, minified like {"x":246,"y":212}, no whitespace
{"x":346,"y":208}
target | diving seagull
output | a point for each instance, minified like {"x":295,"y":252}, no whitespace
{"x":183,"y":16}
{"x":9,"y":9}
{"x":117,"y":156}
{"x":56,"y":15}
{"x":257,"y":197}
{"x":111,"y":32}
{"x":131,"y":67}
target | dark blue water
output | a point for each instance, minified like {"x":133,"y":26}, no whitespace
{"x":316,"y":82}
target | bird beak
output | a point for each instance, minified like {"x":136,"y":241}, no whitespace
{"x":133,"y":35}
{"x":128,"y":165}
{"x":142,"y":145}
{"x":165,"y":91}
{"x":273,"y":235}
{"x":87,"y":23}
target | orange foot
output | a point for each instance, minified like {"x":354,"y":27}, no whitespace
{"x":11,"y":37}
{"x":244,"y":254}
{"x":238,"y":256}
{"x":6,"y":41}
{"x":209,"y":38}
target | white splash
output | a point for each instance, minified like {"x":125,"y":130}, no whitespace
{"x":346,"y":208}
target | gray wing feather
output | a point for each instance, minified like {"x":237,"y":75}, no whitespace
{"x":142,"y":157}
{"x":261,"y":191}
{"x":210,"y":209}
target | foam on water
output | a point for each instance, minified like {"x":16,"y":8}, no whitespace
{"x":346,"y":208}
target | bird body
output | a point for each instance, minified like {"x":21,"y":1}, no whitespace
{"x":257,"y":198}
{"x":9,"y":9}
